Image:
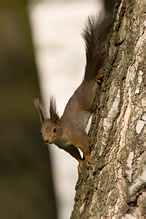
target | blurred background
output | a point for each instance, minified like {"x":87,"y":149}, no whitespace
{"x":41,"y":54}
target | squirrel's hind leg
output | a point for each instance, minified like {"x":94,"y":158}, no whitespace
{"x":99,"y":76}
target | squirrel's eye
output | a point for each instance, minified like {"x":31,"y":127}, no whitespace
{"x":54,"y":130}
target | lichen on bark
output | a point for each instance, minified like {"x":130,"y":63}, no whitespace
{"x":114,"y":184}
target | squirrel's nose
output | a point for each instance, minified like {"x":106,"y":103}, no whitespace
{"x":46,"y":141}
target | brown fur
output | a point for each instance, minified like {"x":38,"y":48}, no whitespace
{"x":53,"y":114}
{"x":68,"y":132}
{"x":95,"y":34}
{"x":40,"y":110}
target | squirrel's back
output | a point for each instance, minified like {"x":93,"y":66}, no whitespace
{"x":68,"y":132}
{"x":95,"y":34}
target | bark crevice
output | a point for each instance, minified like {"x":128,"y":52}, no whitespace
{"x":116,"y":174}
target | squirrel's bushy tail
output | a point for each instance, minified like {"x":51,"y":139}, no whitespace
{"x":95,"y":34}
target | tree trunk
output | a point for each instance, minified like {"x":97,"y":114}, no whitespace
{"x":114,"y":184}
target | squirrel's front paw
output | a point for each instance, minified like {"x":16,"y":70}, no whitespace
{"x":80,"y":166}
{"x":87,"y":161}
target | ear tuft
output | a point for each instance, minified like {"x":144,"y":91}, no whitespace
{"x":39,"y":109}
{"x":53,"y":114}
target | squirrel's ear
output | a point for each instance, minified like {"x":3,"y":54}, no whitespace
{"x":39,"y":109}
{"x":53,"y":114}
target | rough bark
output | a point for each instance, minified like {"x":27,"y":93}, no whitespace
{"x":114,"y":184}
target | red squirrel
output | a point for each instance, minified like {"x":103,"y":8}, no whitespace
{"x":68,"y":132}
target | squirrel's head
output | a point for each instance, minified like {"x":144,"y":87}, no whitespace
{"x":51,"y":130}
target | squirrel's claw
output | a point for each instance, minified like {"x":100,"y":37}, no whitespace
{"x":99,"y":75}
{"x":87,"y":161}
{"x":80,"y":166}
